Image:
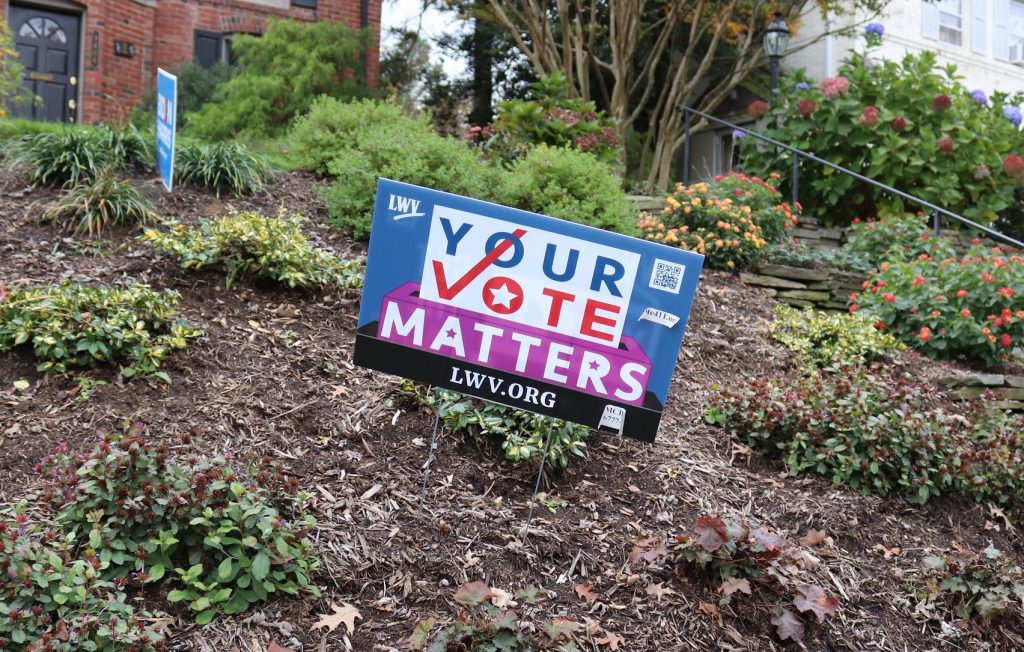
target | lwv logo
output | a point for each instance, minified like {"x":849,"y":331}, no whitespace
{"x":405,"y":206}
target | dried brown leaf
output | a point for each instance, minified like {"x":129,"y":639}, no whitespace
{"x":344,"y":614}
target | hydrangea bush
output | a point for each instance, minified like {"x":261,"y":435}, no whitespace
{"x":909,"y":124}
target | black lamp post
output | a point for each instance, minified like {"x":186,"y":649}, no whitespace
{"x":776,"y":40}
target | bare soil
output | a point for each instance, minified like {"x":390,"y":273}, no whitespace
{"x":272,"y":375}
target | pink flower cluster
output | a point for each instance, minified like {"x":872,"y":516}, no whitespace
{"x":1013,"y":165}
{"x":869,"y":117}
{"x":757,"y":109}
{"x":834,"y":87}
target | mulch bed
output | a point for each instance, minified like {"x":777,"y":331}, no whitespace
{"x":272,"y":375}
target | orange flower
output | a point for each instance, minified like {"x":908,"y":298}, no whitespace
{"x":988,"y":278}
{"x":925,"y":334}
{"x":1006,"y":292}
{"x":965,"y":313}
{"x":961,"y":294}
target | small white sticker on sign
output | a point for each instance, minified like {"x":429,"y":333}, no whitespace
{"x":660,"y":317}
{"x":614,"y":418}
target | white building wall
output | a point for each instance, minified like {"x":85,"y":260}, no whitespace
{"x":981,"y":57}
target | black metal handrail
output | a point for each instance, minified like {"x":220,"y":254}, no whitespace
{"x":937,"y":211}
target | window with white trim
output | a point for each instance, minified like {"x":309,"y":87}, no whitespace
{"x":1015,"y":35}
{"x":951,"y":21}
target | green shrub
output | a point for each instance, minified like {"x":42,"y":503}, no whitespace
{"x":800,"y":255}
{"x":972,"y":306}
{"x":72,"y":325}
{"x":896,"y":237}
{"x":879,"y":433}
{"x":821,"y":339}
{"x":280,"y":74}
{"x":413,"y":154}
{"x":91,"y":206}
{"x":746,"y":561}
{"x":231,"y":537}
{"x":51,"y":588}
{"x":550,"y":116}
{"x":571,"y":185}
{"x":74,"y":155}
{"x":522,"y":432}
{"x":966,"y":584}
{"x":331,"y":124}
{"x":910,"y":124}
{"x":221,"y":167}
{"x":265,"y":247}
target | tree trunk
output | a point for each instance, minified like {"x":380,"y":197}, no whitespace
{"x":482,"y":112}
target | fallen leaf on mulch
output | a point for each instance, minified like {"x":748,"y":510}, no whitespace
{"x":344,"y":614}
{"x":586,"y":592}
{"x":274,"y":647}
{"x":658,"y":590}
{"x":813,"y":537}
{"x":610,"y":639}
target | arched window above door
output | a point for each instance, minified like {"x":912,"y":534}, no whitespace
{"x":43,"y":28}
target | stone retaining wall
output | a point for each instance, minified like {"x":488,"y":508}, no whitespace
{"x":1008,"y":391}
{"x":798,"y":286}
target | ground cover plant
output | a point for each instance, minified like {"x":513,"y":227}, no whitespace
{"x":986,"y":585}
{"x":93,"y":206}
{"x":280,"y":73}
{"x":221,"y":167}
{"x":752,"y":567}
{"x":821,"y":339}
{"x":969,"y":307}
{"x":251,"y":244}
{"x":571,"y":185}
{"x":74,"y":325}
{"x":729,"y":220}
{"x":488,"y":623}
{"x":910,"y":124}
{"x":800,"y":255}
{"x":878,"y":433}
{"x":522,"y":433}
{"x":74,"y":155}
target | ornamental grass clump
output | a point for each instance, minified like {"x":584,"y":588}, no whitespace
{"x":93,"y":206}
{"x":970,"y":307}
{"x":73,"y":325}
{"x":75,"y":155}
{"x":221,"y":167}
{"x":248,"y":243}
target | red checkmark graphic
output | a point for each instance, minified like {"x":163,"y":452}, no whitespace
{"x":450,"y":292}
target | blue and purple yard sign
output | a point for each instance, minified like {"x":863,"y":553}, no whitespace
{"x":524,"y":310}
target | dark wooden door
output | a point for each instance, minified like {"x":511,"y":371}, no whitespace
{"x":47,"y":43}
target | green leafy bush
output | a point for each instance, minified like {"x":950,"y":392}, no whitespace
{"x":92,"y":206}
{"x":231,"y":538}
{"x":968,"y":584}
{"x":265,"y":247}
{"x":413,"y":154}
{"x":221,"y":167}
{"x":821,"y":339}
{"x":800,"y":255}
{"x":550,"y":116}
{"x":909,"y":124}
{"x":332,"y":124}
{"x":72,"y":325}
{"x":280,"y":74}
{"x":878,"y":433}
{"x":972,"y":306}
{"x":571,"y":185}
{"x":746,"y":561}
{"x":896,"y":237}
{"x":522,"y":432}
{"x":485,"y":626}
{"x":75,"y":155}
{"x":728,"y":220}
{"x":52,"y":590}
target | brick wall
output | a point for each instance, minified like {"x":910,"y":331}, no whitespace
{"x":163,"y":34}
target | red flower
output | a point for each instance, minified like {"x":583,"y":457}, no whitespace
{"x":1006,"y":340}
{"x":869,"y":117}
{"x":889,"y":297}
{"x":806,"y":107}
{"x":965,"y":313}
{"x":1013,"y":165}
{"x":918,"y":281}
{"x":945,"y":144}
{"x":988,"y":278}
{"x":1006,"y":292}
{"x":757,"y":108}
{"x":899,"y":123}
{"x":961,"y":294}
{"x":941,"y":102}
{"x":925,"y":334}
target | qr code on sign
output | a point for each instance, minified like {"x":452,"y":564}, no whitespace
{"x":667,"y":276}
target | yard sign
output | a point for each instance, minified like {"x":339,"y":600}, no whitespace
{"x":524,"y":310}
{"x":166,"y":122}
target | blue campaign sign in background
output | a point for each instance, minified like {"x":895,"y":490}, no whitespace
{"x":166,"y":122}
{"x":522,"y":309}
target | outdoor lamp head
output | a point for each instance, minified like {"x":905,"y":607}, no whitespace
{"x":776,"y":37}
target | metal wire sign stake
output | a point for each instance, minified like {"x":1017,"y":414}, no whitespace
{"x":540,"y":474}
